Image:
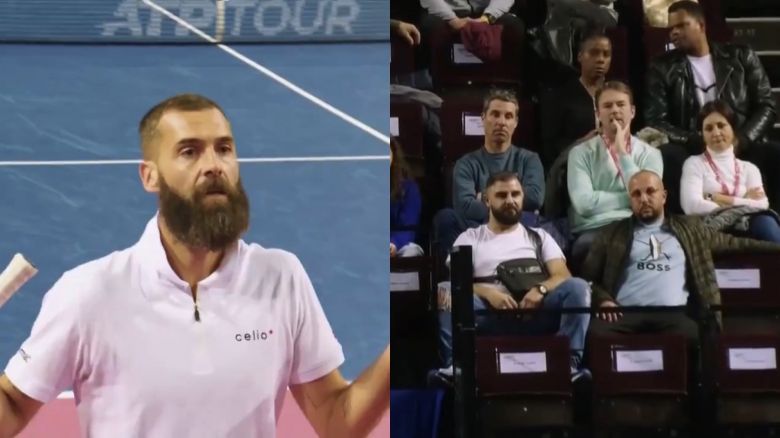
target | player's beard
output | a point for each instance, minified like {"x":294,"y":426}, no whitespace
{"x":198,"y":225}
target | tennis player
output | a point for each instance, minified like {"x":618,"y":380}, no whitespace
{"x":191,"y":332}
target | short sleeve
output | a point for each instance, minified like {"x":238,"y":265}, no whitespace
{"x":466,"y":238}
{"x":45,"y":364}
{"x":550,"y":249}
{"x":317,"y":352}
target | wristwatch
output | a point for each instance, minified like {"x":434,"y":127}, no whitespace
{"x":490,"y":19}
{"x":542,"y":289}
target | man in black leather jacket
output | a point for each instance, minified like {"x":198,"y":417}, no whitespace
{"x":679,"y":82}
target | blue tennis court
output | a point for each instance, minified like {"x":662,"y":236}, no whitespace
{"x":83,"y":103}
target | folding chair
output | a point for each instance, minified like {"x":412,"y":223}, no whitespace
{"x":502,"y":383}
{"x":749,"y":295}
{"x":401,"y":57}
{"x":406,"y":124}
{"x":462,"y":131}
{"x":522,"y":382}
{"x":640,"y":381}
{"x":453,"y":66}
{"x":412,"y":321}
{"x":411,"y":294}
{"x":746,"y":380}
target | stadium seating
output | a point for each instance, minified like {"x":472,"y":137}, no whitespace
{"x":523,"y":381}
{"x":462,"y":130}
{"x":406,"y":124}
{"x":511,"y":402}
{"x":453,"y":66}
{"x":640,"y":381}
{"x":412,"y":320}
{"x":747,"y":379}
{"x":401,"y":57}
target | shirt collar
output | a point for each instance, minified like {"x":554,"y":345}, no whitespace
{"x":157,"y":270}
{"x":728,"y":153}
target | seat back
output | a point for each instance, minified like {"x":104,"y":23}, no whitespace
{"x":401,"y":57}
{"x":748,"y":363}
{"x":462,"y":128}
{"x":639,"y":364}
{"x":452,"y":65}
{"x":406,"y":124}
{"x":748,"y":280}
{"x":411,"y":295}
{"x":513,"y":365}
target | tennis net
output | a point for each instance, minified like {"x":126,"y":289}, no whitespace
{"x":229,"y":21}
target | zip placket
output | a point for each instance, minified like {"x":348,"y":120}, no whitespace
{"x":197,"y":312}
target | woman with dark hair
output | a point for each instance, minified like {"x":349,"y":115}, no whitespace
{"x":716,"y":178}
{"x":405,"y":206}
{"x":568,"y":111}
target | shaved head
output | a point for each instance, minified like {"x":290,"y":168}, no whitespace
{"x":645,"y":175}
{"x":647,"y":195}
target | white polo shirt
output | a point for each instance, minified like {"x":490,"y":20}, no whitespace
{"x":121,"y":332}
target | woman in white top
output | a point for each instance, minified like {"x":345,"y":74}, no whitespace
{"x":718,"y":179}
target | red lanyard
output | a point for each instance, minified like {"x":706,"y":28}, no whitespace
{"x":613,"y":153}
{"x":720,"y":179}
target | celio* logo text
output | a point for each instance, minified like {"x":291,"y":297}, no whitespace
{"x":254,"y":335}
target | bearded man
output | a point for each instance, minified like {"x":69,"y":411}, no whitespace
{"x":502,"y":239}
{"x":192,"y":331}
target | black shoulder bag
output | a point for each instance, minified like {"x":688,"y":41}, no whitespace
{"x":520,"y":275}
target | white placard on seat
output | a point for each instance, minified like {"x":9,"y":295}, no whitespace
{"x":520,"y":363}
{"x":462,"y":56}
{"x":738,"y":278}
{"x":472,"y":125}
{"x":404,"y":281}
{"x":752,"y":359}
{"x":394,"y":126}
{"x":638,"y":361}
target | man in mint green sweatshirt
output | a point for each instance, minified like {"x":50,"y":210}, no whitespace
{"x":599,"y":168}
{"x":471,"y":172}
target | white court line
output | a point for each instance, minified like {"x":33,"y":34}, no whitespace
{"x":240,"y":160}
{"x":289,"y":85}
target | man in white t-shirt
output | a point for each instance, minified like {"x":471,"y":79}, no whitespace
{"x":503,"y":238}
{"x":190,"y":332}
